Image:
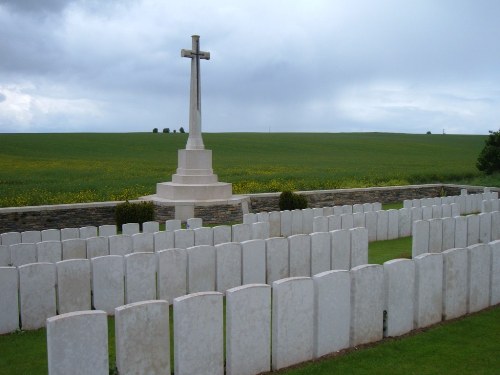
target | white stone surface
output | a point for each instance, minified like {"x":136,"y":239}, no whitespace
{"x":420,"y":240}
{"x":399,"y":296}
{"x":78,"y":340}
{"x":495,"y":225}
{"x":367,"y":207}
{"x":249,"y":218}
{"x":10,"y":238}
{"x":87,"y":232}
{"x":140,"y":277}
{"x":286,"y":223}
{"x":347,"y":221}
{"x":9,"y":301}
{"x":260,"y":230}
{"x":198,"y":338}
{"x":455,"y":265}
{"x":163,"y":240}
{"x":436,"y":212}
{"x":120,"y":244}
{"x":446,"y":210}
{"x":143,"y":242}
{"x":358,"y":220}
{"x":392,"y":224}
{"x":495,"y":273}
{"x":448,"y":233}
{"x":204,"y":236}
{"x":194,"y":222}
{"x":416,"y":203}
{"x":426,"y":212}
{"x":277,"y":258}
{"x":228,"y":266}
{"x":307,"y":220}
{"x":318,"y":211}
{"x":472,"y":229}
{"x":37,"y":294}
{"x":404,"y":222}
{"x":367,"y":304}
{"x":130,"y":228}
{"x":248,"y":329}
{"x":320,"y":224}
{"x":183,"y":238}
{"x":428,"y":289}
{"x":142,"y":337}
{"x":172,"y":225}
{"x":460,"y":231}
{"x":222,"y":234}
{"x":69,"y":233}
{"x":253,"y":257}
{"x":150,"y":227}
{"x":201,"y":273}
{"x":299,"y":247}
{"x":356,"y":208}
{"x":22,"y":253}
{"x":347,"y":209}
{"x":321,"y":252}
{"x":172,"y":274}
{"x":31,"y":236}
{"x":107,"y":230}
{"x":332,"y":305}
{"x":108,"y":285}
{"x":274,"y":224}
{"x":75,"y":248}
{"x":297,"y":219}
{"x":479,"y":277}
{"x":5,"y":256}
{"x":382,"y":225}
{"x":416,"y":214}
{"x":455,"y":209}
{"x":49,"y":251}
{"x":51,"y":235}
{"x":371,"y":224}
{"x":359,"y":247}
{"x":241,"y":232}
{"x":97,"y":247}
{"x":73,"y":285}
{"x":338,"y":210}
{"x":341,"y":249}
{"x":485,"y":227}
{"x":334,"y":222}
{"x":328,"y":211}
{"x":435,"y":235}
{"x":292,"y":321}
{"x":263,"y":217}
{"x":377,"y":206}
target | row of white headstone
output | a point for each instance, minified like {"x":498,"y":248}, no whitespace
{"x":37,"y":291}
{"x":436,"y":235}
{"x":295,"y":320}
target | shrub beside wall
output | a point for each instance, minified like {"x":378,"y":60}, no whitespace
{"x":292,"y":201}
{"x":134,"y":213}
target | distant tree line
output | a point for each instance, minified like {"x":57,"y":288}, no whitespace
{"x":167,"y":130}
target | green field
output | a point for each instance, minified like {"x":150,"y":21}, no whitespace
{"x":68,"y":168}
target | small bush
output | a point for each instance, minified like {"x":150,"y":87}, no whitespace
{"x":166,"y":130}
{"x":428,"y":133}
{"x":155,"y":130}
{"x":134,"y":213}
{"x":181,"y":130}
{"x":488,"y":160}
{"x":292,"y":201}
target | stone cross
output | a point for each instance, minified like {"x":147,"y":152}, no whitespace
{"x":195,"y":142}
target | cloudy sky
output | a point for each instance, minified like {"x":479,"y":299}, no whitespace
{"x":317,"y":66}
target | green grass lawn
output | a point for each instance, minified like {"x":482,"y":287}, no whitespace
{"x":67,"y":168}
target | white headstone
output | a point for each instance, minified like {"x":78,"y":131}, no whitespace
{"x":420,"y":240}
{"x":37,"y":294}
{"x":142,"y":337}
{"x":108,"y":285}
{"x":392,"y":224}
{"x":318,"y":211}
{"x":404,"y":222}
{"x":334,"y":222}
{"x":446,"y":210}
{"x":407,"y":203}
{"x":455,"y":264}
{"x":172,"y":274}
{"x":74,"y":249}
{"x":307,"y":220}
{"x":49,"y":251}
{"x":248,"y":329}
{"x":377,"y":206}
{"x":341,"y":250}
{"x":241,"y":232}
{"x":495,"y":225}
{"x":274,"y":224}
{"x":428,"y":289}
{"x":435,"y":235}
{"x":97,"y":247}
{"x":328,"y":211}
{"x":292,"y":321}
{"x":299,"y":246}
{"x":399,"y":295}
{"x":198,"y":338}
{"x":367,"y":304}
{"x":22,"y":253}
{"x":260,"y":230}
{"x":321,"y":252}
{"x":448,"y":233}
{"x":371,"y":218}
{"x":163,"y":240}
{"x":194,"y":222}
{"x":455,"y":209}
{"x":228,"y":266}
{"x":338,"y":210}
{"x":277,"y":258}
{"x":479,"y":277}
{"x":69,"y":233}
{"x":130,"y":228}
{"x":367,"y":207}
{"x":263,"y":217}
{"x":150,"y":227}
{"x":485,"y":227}
{"x":332,"y":320}
{"x":73,"y":285}
{"x":472,"y":229}
{"x":172,"y":225}
{"x":297,"y":220}
{"x":107,"y":230}
{"x":436,"y":212}
{"x":460,"y":231}
{"x":201,"y":269}
{"x":382,"y":225}
{"x":495,"y":273}
{"x":10,"y":238}
{"x":346,"y":221}
{"x":358,"y":220}
{"x":5,"y":256}
{"x":416,"y":214}
{"x":51,"y":235}
{"x":9,"y":306}
{"x":183,"y":238}
{"x":356,"y":208}
{"x":140,"y":277}
{"x":87,"y":232}
{"x":143,"y":242}
{"x":222,"y":234}
{"x":359,"y":247}
{"x":204,"y":236}
{"x":31,"y":236}
{"x":320,"y":224}
{"x":249,"y":218}
{"x":78,"y":342}
{"x":286,"y":223}
{"x":120,"y":244}
{"x":253,"y":257}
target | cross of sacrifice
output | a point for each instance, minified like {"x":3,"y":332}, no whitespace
{"x":195,"y":142}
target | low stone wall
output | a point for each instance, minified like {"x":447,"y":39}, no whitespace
{"x":20,"y":219}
